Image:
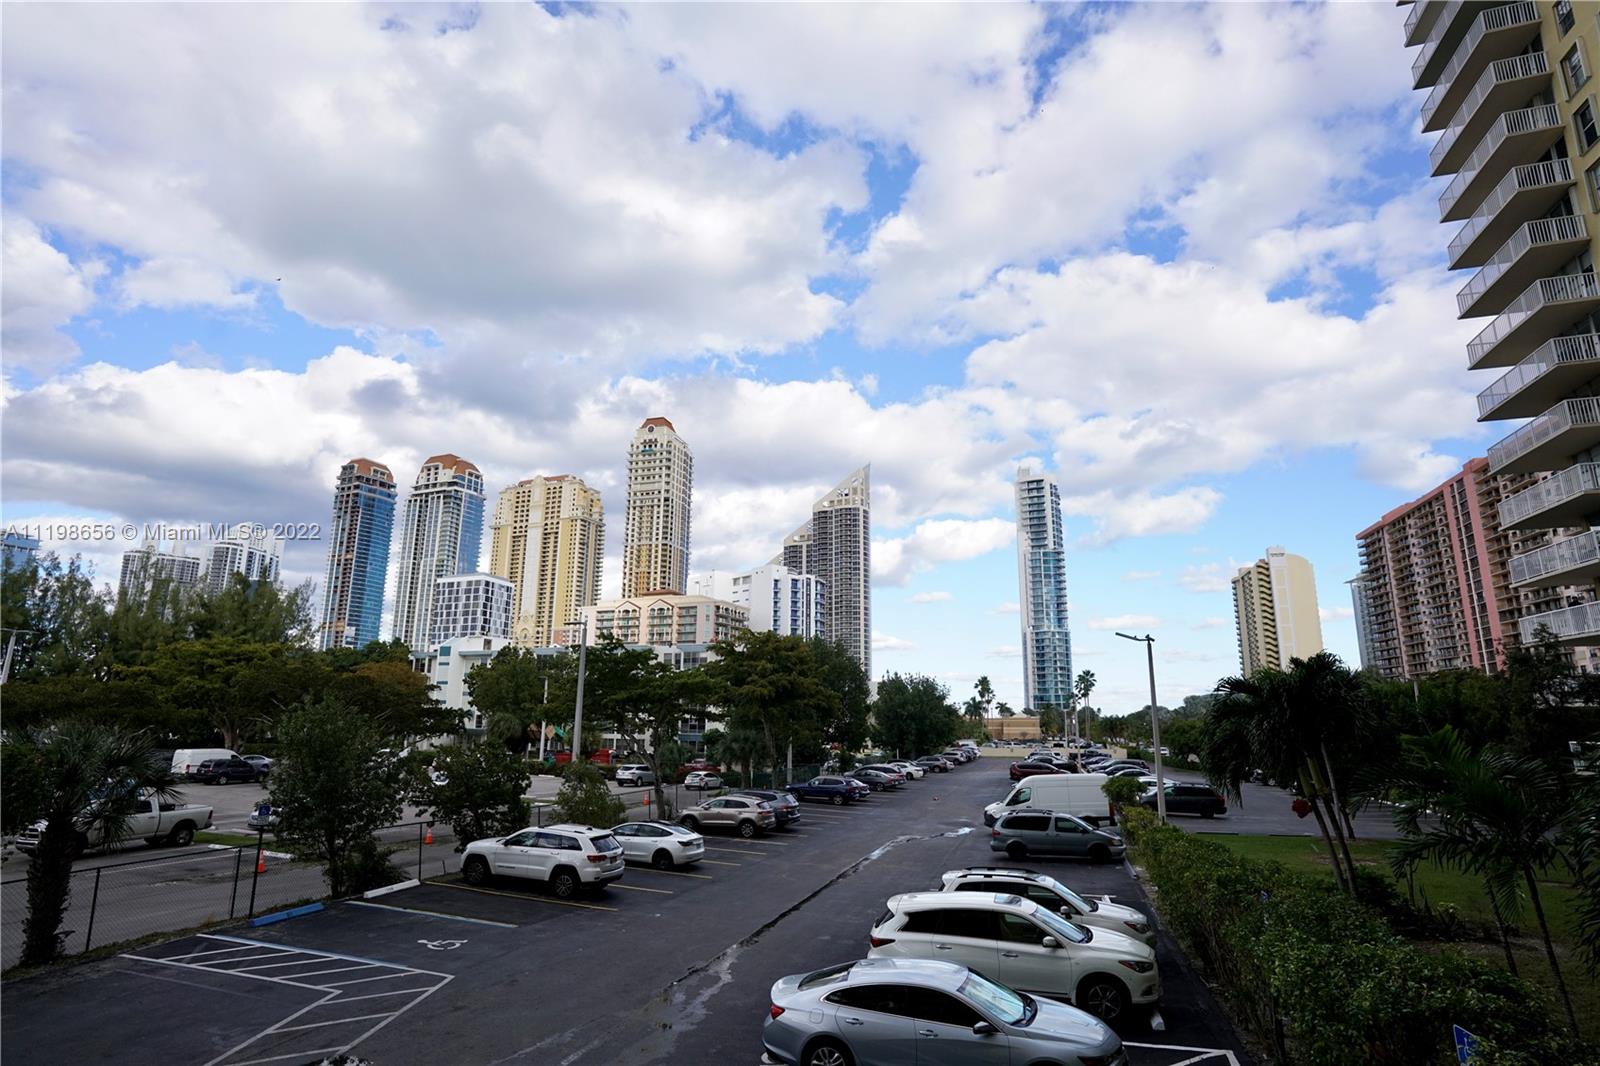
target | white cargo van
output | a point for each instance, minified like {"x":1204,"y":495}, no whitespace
{"x":186,"y":761}
{"x":1077,"y":794}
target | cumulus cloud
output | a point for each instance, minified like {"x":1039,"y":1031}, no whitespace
{"x":885,"y":642}
{"x":931,"y":597}
{"x":1334,"y":614}
{"x":1126,"y":621}
{"x":1207,"y":577}
{"x":1214,"y":622}
{"x":935,"y":541}
{"x":1006,"y":651}
{"x":43,"y":290}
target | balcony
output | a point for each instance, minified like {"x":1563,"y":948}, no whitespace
{"x":1556,"y":502}
{"x":1535,"y":250}
{"x":1504,"y":84}
{"x":1525,"y":193}
{"x":1424,"y":15}
{"x":1547,"y":442}
{"x":1460,"y":51}
{"x":1559,"y":365}
{"x":1544,"y":309}
{"x":1570,"y":625}
{"x":1566,"y":562}
{"x":1514,"y":138}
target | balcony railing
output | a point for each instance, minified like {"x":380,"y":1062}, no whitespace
{"x":1441,"y":24}
{"x":1417,"y":11}
{"x":1557,"y":351}
{"x":1553,"y":172}
{"x":1564,"y":416}
{"x":1568,"y":485}
{"x":1541,"y":294}
{"x":1493,"y":20}
{"x":1570,"y":625}
{"x":1562,"y":557}
{"x":1516,"y":68}
{"x":1541,"y":231}
{"x":1510,"y":124}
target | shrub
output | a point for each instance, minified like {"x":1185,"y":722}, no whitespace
{"x":482,"y":794}
{"x":1123,"y":792}
{"x":1320,"y":978}
{"x":586,"y":800}
{"x":364,"y":866}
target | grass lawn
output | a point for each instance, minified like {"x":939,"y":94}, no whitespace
{"x":206,"y":836}
{"x":1465,"y":893}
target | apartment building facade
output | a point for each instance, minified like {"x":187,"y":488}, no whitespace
{"x":655,"y":532}
{"x":666,"y":619}
{"x":547,"y":538}
{"x":1275,"y":612}
{"x":835,"y":546}
{"x":250,"y":551}
{"x":440,"y":534}
{"x":777,"y":599}
{"x":358,"y":554}
{"x":1042,"y":585}
{"x":470,"y":605}
{"x":1512,"y":95}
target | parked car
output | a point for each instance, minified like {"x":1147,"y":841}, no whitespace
{"x":746,"y":815}
{"x":858,"y":788}
{"x":186,"y":761}
{"x":873,"y":779}
{"x":1124,"y":771}
{"x":262,"y":764}
{"x":664,"y":845}
{"x":1022,"y":945}
{"x":148,"y":818}
{"x":264,"y":817}
{"x":936,"y":763}
{"x":895,"y":775}
{"x":635,"y":773}
{"x":956,"y":756}
{"x":700,"y":766}
{"x":1040,"y":832}
{"x":885,"y":1010}
{"x":828,"y":788}
{"x":224,"y":771}
{"x":701,"y":780}
{"x":1140,"y":763}
{"x":567,"y":858}
{"x":1187,"y":798}
{"x":784,"y":805}
{"x":1078,"y":794}
{"x":911,"y":770}
{"x":1047,"y":892}
{"x":1030,"y":768}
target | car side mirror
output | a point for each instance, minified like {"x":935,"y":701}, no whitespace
{"x":1050,"y":942}
{"x":982,"y":1029}
{"x":1066,"y":912}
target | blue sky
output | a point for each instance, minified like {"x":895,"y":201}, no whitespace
{"x":1208,"y":294}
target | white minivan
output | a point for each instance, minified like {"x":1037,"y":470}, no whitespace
{"x":1077,"y":794}
{"x":186,"y":761}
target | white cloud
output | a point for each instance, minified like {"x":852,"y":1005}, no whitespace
{"x":884,"y":642}
{"x":931,"y":597}
{"x":1120,"y":513}
{"x":937,"y":541}
{"x":1334,"y":614}
{"x":1214,"y":622}
{"x":1207,"y":577}
{"x":1006,"y":651}
{"x":1141,"y":575}
{"x":43,"y":290}
{"x":1126,"y":621}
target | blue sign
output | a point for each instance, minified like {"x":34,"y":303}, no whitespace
{"x":1466,"y":1045}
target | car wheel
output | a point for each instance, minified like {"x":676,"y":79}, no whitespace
{"x":223,"y":780}
{"x":690,"y":822}
{"x":661,"y":860}
{"x":1016,"y":850}
{"x":838,"y":801}
{"x":475,"y":871}
{"x":565,"y":884}
{"x":182,"y":836}
{"x":1104,"y":997}
{"x":1208,"y":814}
{"x":828,"y":1052}
{"x":747,"y":829}
{"x":1099,"y":853}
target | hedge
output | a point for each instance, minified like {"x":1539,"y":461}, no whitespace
{"x":1318,"y":978}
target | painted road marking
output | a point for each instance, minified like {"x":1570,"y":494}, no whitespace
{"x":1205,"y":1053}
{"x":684,"y":873}
{"x":720,"y":862}
{"x":641,"y":888}
{"x":524,"y":896}
{"x":428,"y":914}
{"x":730,"y":851}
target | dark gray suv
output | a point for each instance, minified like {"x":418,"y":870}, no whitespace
{"x":1027,"y":831}
{"x":784,"y":805}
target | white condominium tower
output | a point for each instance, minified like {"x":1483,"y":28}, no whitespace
{"x":439,"y":532}
{"x":835,"y":546}
{"x":1275,"y":607}
{"x":548,"y":536}
{"x":655,"y":531}
{"x":252,"y":551}
{"x":1042,"y":577}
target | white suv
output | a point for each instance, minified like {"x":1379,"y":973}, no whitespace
{"x":1022,"y":945}
{"x":568,"y":858}
{"x":1047,"y":892}
{"x":635,"y":774}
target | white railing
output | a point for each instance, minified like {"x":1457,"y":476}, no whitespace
{"x":1510,"y":124}
{"x":1571,"y":483}
{"x":1582,"y":348}
{"x":1540,"y":231}
{"x":1514,"y":69}
{"x":1560,"y":289}
{"x":1417,"y":11}
{"x":1527,"y":176}
{"x":1579,"y":411}
{"x":1568,"y":623}
{"x":1491,"y":21}
{"x":1557,"y":558}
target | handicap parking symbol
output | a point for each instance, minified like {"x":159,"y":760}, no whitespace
{"x":442,"y":945}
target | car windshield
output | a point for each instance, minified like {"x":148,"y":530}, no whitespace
{"x":673,"y":827}
{"x":1083,"y":905}
{"x":1061,"y":928}
{"x":607,"y":843}
{"x":1010,"y":1007}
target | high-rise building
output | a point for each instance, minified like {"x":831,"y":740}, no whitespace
{"x":1438,"y":590}
{"x":655,"y":531}
{"x":358,"y":554}
{"x":251,"y":551}
{"x":20,"y":550}
{"x":1275,"y":608}
{"x":1509,"y":93}
{"x":141,"y":566}
{"x":835,"y":545}
{"x":667,"y":619}
{"x":1042,"y":577}
{"x":547,"y":538}
{"x":470,"y":605}
{"x":778,"y":600}
{"x":440,"y":534}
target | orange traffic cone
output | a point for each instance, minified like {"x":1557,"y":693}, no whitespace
{"x":261,"y":863}
{"x":428,"y":839}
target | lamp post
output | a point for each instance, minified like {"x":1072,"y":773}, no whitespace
{"x":1149,"y":643}
{"x":577,"y":711}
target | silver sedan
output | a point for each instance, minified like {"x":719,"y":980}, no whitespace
{"x":663,"y":845}
{"x":897,"y":1012}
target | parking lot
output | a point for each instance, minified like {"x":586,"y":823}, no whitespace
{"x":662,"y":966}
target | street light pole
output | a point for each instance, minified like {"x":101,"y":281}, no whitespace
{"x":577,"y":712}
{"x":1155,"y":724}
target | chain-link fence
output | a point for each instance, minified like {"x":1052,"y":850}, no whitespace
{"x":117,"y":900}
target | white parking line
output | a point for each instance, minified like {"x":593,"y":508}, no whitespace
{"x":1205,"y":1054}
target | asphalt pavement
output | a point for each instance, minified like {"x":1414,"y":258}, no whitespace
{"x":661,"y":967}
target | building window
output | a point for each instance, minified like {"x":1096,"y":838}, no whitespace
{"x":1583,"y":123}
{"x":1573,"y":71}
{"x":1564,"y":18}
{"x":1592,"y":178}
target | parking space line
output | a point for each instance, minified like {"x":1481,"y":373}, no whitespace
{"x":210,"y":969}
{"x":523,"y":895}
{"x":720,"y":862}
{"x":1204,"y":1052}
{"x":335,"y":1021}
{"x":364,"y":980}
{"x":291,"y":1055}
{"x":730,"y":851}
{"x":641,"y":888}
{"x":274,"y":965}
{"x":428,"y":914}
{"x":683,"y":873}
{"x":217,"y":951}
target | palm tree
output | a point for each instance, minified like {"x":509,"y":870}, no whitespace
{"x":1081,"y":688}
{"x":84,"y":782}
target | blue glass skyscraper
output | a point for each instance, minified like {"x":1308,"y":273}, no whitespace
{"x":1042,"y":574}
{"x":358,"y":554}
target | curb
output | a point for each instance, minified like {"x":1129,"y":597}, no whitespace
{"x":283,"y":916}
{"x":386,"y":889}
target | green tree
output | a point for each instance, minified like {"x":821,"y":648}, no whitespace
{"x":83,"y":780}
{"x":394,"y":697}
{"x":847,"y":725}
{"x":149,"y":614}
{"x":1123,"y":792}
{"x":983,"y":692}
{"x":59,"y":620}
{"x":1081,"y":690}
{"x":1582,"y":843}
{"x":254,"y":612}
{"x":237,"y":687}
{"x":1052,"y":721}
{"x":643,"y":701}
{"x":336,"y":785}
{"x":510,"y":691}
{"x":586,"y":799}
{"x":913,"y":715}
{"x":1184,"y":737}
{"x":483,"y":793}
{"x":772,"y":686}
{"x":1003,"y":709}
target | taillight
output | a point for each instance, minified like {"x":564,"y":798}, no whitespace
{"x":595,"y":858}
{"x":776,"y":1010}
{"x":880,"y":941}
{"x":994,"y":832}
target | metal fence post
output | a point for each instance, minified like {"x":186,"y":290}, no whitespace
{"x":419,"y":851}
{"x":94,"y":902}
{"x":238,"y":861}
{"x":260,"y":833}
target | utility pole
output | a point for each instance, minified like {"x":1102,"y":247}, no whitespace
{"x":577,"y":711}
{"x":1155,"y":724}
{"x":543,"y":723}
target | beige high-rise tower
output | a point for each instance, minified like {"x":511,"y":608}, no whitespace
{"x":1275,"y":607}
{"x":548,"y":537}
{"x":655,"y":534}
